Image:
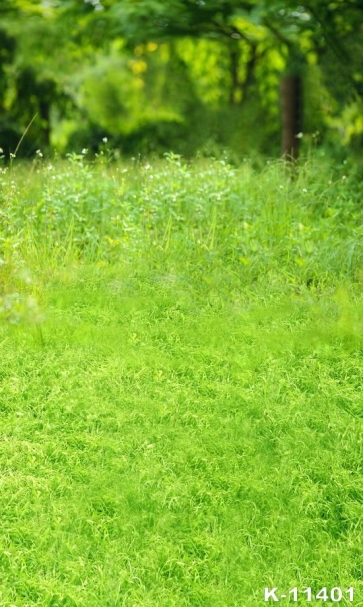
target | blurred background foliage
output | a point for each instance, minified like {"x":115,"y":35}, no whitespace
{"x":192,"y":76}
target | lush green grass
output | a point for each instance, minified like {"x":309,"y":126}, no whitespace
{"x":181,"y":394}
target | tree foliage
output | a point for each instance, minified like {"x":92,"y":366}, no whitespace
{"x":187,"y":73}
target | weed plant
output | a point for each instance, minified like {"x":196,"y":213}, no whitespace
{"x":181,"y":394}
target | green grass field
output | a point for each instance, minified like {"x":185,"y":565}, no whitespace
{"x":181,"y":383}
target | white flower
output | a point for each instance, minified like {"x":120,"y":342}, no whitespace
{"x":104,"y":139}
{"x":84,"y":151}
{"x":299,"y":135}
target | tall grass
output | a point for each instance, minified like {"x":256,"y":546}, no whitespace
{"x":180,"y":382}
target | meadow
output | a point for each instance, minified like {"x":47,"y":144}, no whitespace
{"x":181,"y":382}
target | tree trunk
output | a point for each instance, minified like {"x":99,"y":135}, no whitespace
{"x":44,"y":108}
{"x":291,"y":101}
{"x":234,"y":59}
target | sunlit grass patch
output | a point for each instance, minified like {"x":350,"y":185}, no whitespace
{"x":181,"y":407}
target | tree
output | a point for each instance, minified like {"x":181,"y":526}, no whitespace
{"x":249,"y":25}
{"x":296,"y":30}
{"x":229,"y":54}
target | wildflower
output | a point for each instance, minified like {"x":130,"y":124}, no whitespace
{"x":304,"y":190}
{"x":299,"y":135}
{"x":1,"y":151}
{"x":39,"y":154}
{"x":104,"y":139}
{"x":84,"y":151}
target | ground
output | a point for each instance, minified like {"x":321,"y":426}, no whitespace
{"x":180,"y":383}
